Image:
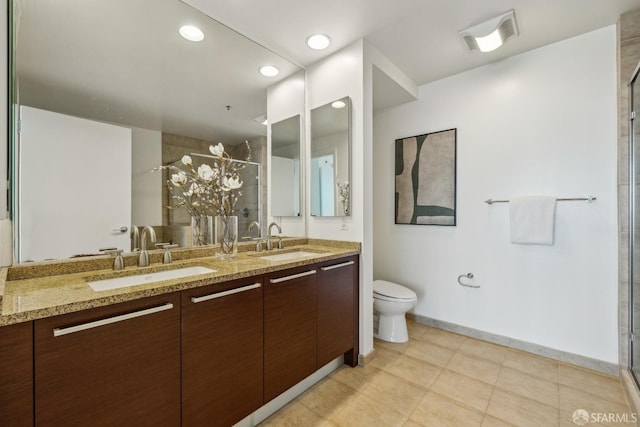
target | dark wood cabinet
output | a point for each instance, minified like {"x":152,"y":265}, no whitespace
{"x":208,"y":356}
{"x":112,"y":366}
{"x":289,"y":329}
{"x":16,"y":375}
{"x":338,"y":311}
{"x":222,"y":338}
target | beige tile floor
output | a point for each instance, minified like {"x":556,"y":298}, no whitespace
{"x":440,"y":378}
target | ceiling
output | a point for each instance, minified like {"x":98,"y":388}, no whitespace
{"x":122,"y":61}
{"x":418,"y":36}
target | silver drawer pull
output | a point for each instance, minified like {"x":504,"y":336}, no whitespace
{"x":70,"y":330}
{"x":196,"y":300}
{"x":331,"y":267}
{"x":293,"y":276}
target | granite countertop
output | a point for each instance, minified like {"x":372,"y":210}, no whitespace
{"x":38,"y":290}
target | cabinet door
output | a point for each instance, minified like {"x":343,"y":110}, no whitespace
{"x":112,"y":366}
{"x":16,"y":375}
{"x":222,"y":338}
{"x":289,"y":329}
{"x":338,"y":311}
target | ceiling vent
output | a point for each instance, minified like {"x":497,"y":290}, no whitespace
{"x":490,"y":35}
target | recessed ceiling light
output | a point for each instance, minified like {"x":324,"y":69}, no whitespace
{"x":318,"y":41}
{"x":338,"y":104}
{"x":261,"y":119}
{"x":191,"y":33}
{"x":490,"y":42}
{"x":269,"y":70}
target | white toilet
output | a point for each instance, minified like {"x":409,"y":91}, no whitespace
{"x":390,"y":302}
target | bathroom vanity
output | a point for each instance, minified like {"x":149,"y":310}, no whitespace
{"x":205,"y":350}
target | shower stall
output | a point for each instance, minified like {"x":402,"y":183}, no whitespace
{"x":634,"y":228}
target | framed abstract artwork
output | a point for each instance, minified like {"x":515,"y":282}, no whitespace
{"x":426,"y":179}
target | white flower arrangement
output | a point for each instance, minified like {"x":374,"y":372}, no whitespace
{"x":211,"y":189}
{"x":344,"y":194}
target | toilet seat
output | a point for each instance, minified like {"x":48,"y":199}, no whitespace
{"x":389,"y":291}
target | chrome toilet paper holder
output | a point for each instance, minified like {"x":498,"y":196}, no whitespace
{"x":468,"y":276}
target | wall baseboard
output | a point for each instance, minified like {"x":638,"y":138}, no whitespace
{"x":363,"y":359}
{"x":562,"y":356}
{"x":276,"y":404}
{"x":631,"y":389}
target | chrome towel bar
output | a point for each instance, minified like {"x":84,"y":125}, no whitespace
{"x":588,"y":199}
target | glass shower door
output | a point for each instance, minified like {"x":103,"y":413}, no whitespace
{"x":634,"y":249}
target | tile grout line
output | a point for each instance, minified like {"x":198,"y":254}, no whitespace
{"x":493,"y":389}
{"x":394,"y":354}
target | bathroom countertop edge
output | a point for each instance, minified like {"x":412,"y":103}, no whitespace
{"x":29,"y":299}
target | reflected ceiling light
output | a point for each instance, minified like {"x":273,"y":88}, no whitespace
{"x":490,"y":35}
{"x":318,"y":41}
{"x":262,"y":119}
{"x":269,"y":70}
{"x":338,"y":104}
{"x":191,"y":33}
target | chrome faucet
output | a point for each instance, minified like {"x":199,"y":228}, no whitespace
{"x":256,"y":224}
{"x":143,"y":259}
{"x":118,"y":261}
{"x":269,"y":242}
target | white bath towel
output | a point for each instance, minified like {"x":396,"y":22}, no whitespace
{"x":532,"y":219}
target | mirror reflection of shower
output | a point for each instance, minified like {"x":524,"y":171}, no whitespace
{"x":330,"y":147}
{"x":634,"y":235}
{"x":323,"y":179}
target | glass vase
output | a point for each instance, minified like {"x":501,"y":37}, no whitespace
{"x":227,"y":236}
{"x":201,"y":230}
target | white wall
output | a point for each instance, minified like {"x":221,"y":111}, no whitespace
{"x":543,"y":122}
{"x":337,"y":76}
{"x":283,"y":190}
{"x":408,"y":90}
{"x":146,"y":186}
{"x":59,"y":198}
{"x":334,"y":77}
{"x":4,"y":142}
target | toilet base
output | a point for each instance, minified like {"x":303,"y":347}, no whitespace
{"x":391,"y":328}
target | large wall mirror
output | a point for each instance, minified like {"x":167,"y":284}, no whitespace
{"x":331,"y":159}
{"x":105,"y":91}
{"x":285,"y":167}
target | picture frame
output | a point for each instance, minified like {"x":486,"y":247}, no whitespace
{"x":425,"y":179}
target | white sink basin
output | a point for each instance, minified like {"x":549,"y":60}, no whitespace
{"x":288,"y":256}
{"x":143,"y":279}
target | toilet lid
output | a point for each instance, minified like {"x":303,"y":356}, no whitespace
{"x":393,"y":290}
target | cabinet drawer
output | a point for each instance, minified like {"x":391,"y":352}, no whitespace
{"x":289,"y":329}
{"x":116,"y":365}
{"x":222,"y":337}
{"x":16,"y":377}
{"x":338,"y":311}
